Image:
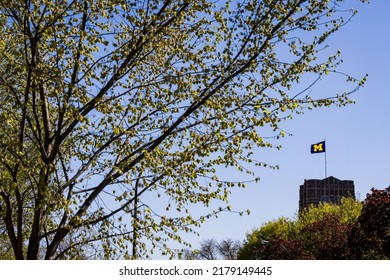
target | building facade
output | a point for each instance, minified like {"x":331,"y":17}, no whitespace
{"x":329,"y":190}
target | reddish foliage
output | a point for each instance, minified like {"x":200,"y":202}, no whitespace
{"x":324,"y":239}
{"x":328,"y":238}
{"x":372,"y":238}
{"x":280,"y":248}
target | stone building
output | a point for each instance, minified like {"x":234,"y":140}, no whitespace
{"x":330,"y":189}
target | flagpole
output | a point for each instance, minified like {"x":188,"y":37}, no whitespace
{"x":320,"y":148}
{"x":326,"y":166}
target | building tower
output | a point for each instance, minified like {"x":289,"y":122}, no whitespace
{"x":330,"y":190}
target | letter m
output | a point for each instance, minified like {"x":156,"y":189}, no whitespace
{"x":318,"y":148}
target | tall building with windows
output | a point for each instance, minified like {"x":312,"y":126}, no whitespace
{"x":331,"y":189}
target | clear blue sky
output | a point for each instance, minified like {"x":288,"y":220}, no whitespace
{"x":357,"y":136}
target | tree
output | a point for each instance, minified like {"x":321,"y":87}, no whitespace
{"x":188,"y":254}
{"x":111,"y":108}
{"x":320,"y":232}
{"x":229,"y":248}
{"x":5,"y":246}
{"x":371,"y":239}
{"x":275,"y":240}
{"x":210,"y":249}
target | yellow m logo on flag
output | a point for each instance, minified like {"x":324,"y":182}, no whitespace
{"x":318,"y":148}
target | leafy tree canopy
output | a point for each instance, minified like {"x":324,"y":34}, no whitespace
{"x":372,"y":237}
{"x":115,"y":114}
{"x":320,"y":232}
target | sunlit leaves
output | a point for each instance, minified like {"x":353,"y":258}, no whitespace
{"x":116,"y":116}
{"x":320,"y":232}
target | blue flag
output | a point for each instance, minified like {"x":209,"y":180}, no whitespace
{"x":318,"y":148}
